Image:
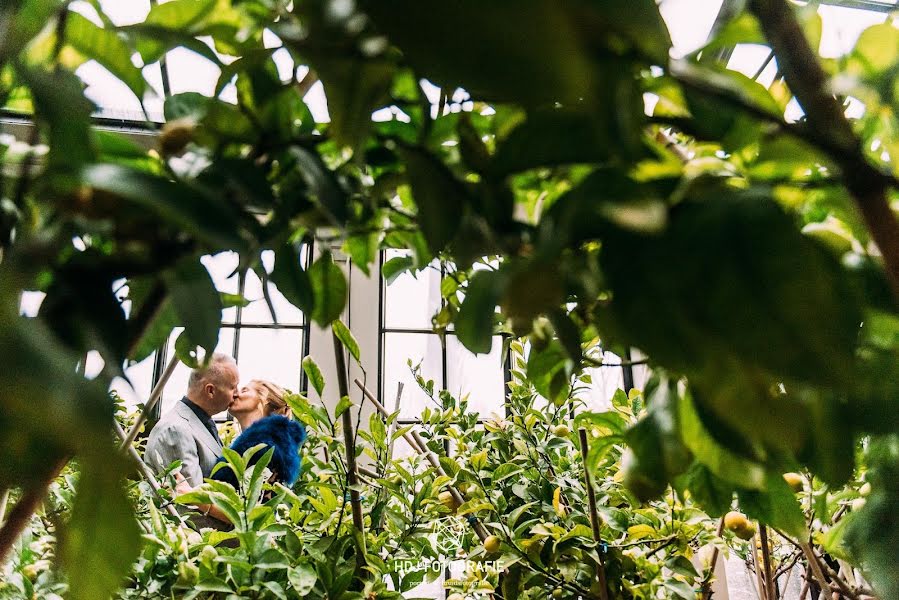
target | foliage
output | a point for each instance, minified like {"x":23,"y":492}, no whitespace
{"x":721,"y":241}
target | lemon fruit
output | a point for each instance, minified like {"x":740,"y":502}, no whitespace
{"x":795,"y":481}
{"x":448,"y":500}
{"x":739,"y":525}
{"x":491,"y":544}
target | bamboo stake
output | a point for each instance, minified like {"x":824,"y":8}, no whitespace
{"x":390,"y":443}
{"x":419,"y":446}
{"x":392,"y":428}
{"x":812,"y":559}
{"x":594,"y":519}
{"x":349,"y":443}
{"x":766,"y":558}
{"x":707,"y":585}
{"x":155,"y":395}
{"x":148,"y":475}
{"x":762,"y":588}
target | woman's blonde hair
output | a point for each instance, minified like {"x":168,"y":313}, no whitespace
{"x":272,"y":397}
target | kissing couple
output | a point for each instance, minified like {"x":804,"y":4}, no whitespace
{"x":188,"y":433}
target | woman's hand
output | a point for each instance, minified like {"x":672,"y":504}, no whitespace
{"x":182,"y":485}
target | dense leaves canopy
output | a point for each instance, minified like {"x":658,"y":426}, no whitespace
{"x":721,"y":241}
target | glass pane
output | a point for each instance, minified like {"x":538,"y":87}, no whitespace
{"x":271,"y":354}
{"x":841,"y":27}
{"x":190,"y":72}
{"x":176,"y":386}
{"x":136,"y":389}
{"x":400,"y":347}
{"x":605,"y":381}
{"x":125,"y":12}
{"x":689,"y":22}
{"x":221,"y":268}
{"x":31,"y":303}
{"x":479,"y":376}
{"x":411,"y":300}
{"x":257,"y":311}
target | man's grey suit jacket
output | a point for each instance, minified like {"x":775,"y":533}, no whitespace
{"x":179,"y":435}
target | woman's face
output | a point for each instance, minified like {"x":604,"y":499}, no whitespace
{"x":247,"y":401}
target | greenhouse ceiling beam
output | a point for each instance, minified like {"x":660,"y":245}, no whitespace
{"x":144,"y":136}
{"x":871,"y":5}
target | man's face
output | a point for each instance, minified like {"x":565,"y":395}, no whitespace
{"x":226,"y":391}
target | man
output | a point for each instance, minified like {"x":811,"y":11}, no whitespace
{"x":187,"y":431}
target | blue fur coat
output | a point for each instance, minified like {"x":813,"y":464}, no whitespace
{"x":285,"y":435}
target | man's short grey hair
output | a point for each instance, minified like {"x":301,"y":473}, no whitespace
{"x":212,"y":373}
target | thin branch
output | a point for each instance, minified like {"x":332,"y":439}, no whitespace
{"x":21,"y":513}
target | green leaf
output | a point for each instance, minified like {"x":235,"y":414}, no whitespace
{"x":396,"y":266}
{"x":342,"y":406}
{"x":474,"y":325}
{"x":346,"y":338}
{"x":291,"y":278}
{"x":60,"y":106}
{"x":680,"y":589}
{"x":102,"y":538}
{"x":713,"y":494}
{"x":164,"y":320}
{"x":179,"y":203}
{"x":24,"y":20}
{"x":874,"y":533}
{"x":656,"y":443}
{"x":875,"y":51}
{"x":506,"y":470}
{"x":354,"y":88}
{"x":776,"y":506}
{"x":552,"y":137}
{"x":549,"y":369}
{"x":537,"y":36}
{"x":788,"y":310}
{"x":440,"y":197}
{"x":179,"y":14}
{"x":196,"y":302}
{"x":153,"y":40}
{"x":329,"y":288}
{"x":717,"y":119}
{"x":187,"y":105}
{"x":322,"y":185}
{"x":314,"y":374}
{"x":376,"y":427}
{"x":718,"y":459}
{"x":107,"y":48}
{"x":363,"y":250}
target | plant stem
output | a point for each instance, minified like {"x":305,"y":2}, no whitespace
{"x":594,"y":518}
{"x":814,"y":565}
{"x":707,"y":584}
{"x":21,"y":513}
{"x":809,"y":83}
{"x":350,"y":446}
{"x":766,"y":559}
{"x":763,"y":589}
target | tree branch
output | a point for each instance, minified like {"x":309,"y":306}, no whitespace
{"x":824,"y":114}
{"x":21,"y":513}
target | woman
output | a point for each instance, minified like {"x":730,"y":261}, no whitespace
{"x":263,"y":415}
